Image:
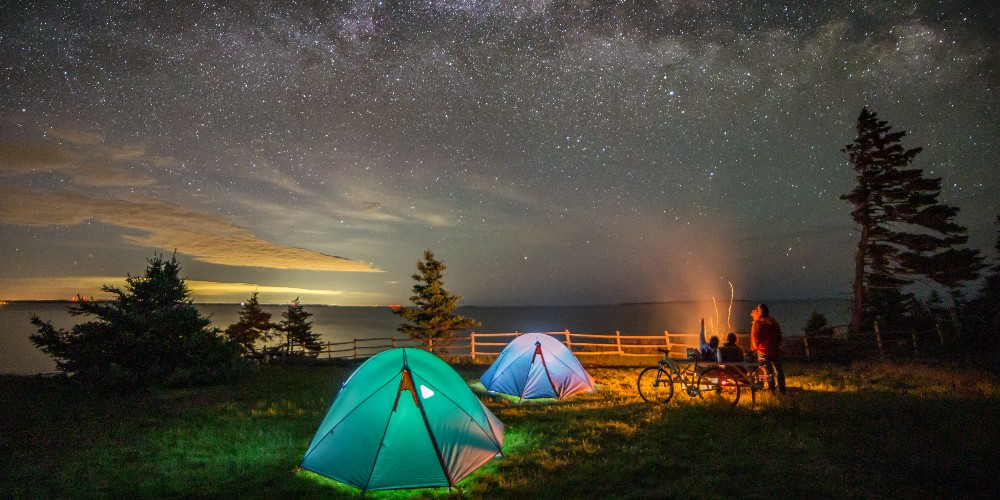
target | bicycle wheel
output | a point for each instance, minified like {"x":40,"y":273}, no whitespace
{"x":718,"y":386}
{"x":655,"y":385}
{"x":758,"y":382}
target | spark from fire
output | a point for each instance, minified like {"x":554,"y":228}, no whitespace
{"x":729,"y":313}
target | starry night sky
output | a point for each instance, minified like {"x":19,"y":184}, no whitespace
{"x":548,"y":152}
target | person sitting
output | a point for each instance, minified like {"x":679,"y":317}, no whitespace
{"x":707,"y":349}
{"x":710,"y":351}
{"x":730,"y":352}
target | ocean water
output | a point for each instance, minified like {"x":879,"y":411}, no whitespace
{"x":337,"y":324}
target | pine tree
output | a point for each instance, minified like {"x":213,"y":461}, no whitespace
{"x":149,"y":334}
{"x":816,"y":324}
{"x":992,"y":285}
{"x":983,"y":312}
{"x":297,"y":328}
{"x":253,"y":325}
{"x":432,"y":318}
{"x":906,"y":235}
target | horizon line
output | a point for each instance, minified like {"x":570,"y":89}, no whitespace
{"x":598,"y":304}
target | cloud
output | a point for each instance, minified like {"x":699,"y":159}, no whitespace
{"x":76,"y":136}
{"x":68,"y":287}
{"x":166,"y":226}
{"x":129,"y":152}
{"x":24,"y":156}
{"x":93,"y":163}
{"x":57,"y":288}
{"x":209,"y":291}
{"x":107,"y":176}
{"x":363,"y":206}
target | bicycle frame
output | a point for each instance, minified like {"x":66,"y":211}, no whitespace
{"x":687,"y":376}
{"x":724,"y":380}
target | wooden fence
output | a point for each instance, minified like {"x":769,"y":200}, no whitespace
{"x":832,"y":342}
{"x":479,"y":345}
{"x":836,"y":343}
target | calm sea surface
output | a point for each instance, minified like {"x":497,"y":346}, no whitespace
{"x":19,"y":356}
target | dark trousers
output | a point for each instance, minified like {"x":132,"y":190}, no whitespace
{"x":774,"y":372}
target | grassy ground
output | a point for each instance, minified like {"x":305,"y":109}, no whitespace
{"x":865,"y":430}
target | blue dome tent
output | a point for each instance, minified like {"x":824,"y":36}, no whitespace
{"x":535,"y":365}
{"x":404,"y":419}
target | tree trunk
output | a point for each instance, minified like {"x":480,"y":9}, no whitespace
{"x":859,"y":281}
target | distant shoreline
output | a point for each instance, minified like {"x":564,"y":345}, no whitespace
{"x":694,"y":301}
{"x":643,"y":303}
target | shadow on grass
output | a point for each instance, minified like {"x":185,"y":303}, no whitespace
{"x":811,"y":444}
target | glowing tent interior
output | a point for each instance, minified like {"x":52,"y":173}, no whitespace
{"x":404,"y":419}
{"x":535,"y":365}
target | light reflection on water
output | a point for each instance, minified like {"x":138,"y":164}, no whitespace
{"x":336,"y":324}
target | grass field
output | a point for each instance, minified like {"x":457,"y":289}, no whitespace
{"x":863,"y":430}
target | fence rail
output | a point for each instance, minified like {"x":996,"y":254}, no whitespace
{"x":808,"y":345}
{"x":477,"y":345}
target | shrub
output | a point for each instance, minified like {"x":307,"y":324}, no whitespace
{"x":149,"y":334}
{"x":817,"y":324}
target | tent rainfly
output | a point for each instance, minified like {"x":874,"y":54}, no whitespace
{"x":404,"y":419}
{"x":535,"y":365}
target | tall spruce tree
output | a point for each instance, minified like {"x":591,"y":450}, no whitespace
{"x":297,"y":328}
{"x":253,"y":325}
{"x":432,"y":318}
{"x":982,"y":314}
{"x":905,"y":234}
{"x":991,"y":288}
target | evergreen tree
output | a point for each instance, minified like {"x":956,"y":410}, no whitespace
{"x":983,"y":312}
{"x":297,"y":328}
{"x":816,"y":324}
{"x":905,"y":234}
{"x":432,"y":318}
{"x":991,"y":287}
{"x":149,"y":334}
{"x":254,"y":325}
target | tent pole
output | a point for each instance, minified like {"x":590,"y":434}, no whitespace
{"x":540,"y":354}
{"x":430,"y":431}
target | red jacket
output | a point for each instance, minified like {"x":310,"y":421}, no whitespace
{"x":765,"y":337}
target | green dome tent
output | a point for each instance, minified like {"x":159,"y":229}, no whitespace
{"x":404,"y":419}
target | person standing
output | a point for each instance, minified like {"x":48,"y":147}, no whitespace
{"x":765,"y":340}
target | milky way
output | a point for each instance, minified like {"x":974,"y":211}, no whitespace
{"x":548,"y":152}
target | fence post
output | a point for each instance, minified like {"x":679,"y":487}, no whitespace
{"x":878,"y":340}
{"x":666,"y":336}
{"x":618,"y":341}
{"x":472,"y":344}
{"x":430,"y":343}
{"x":569,"y":343}
{"x":805,"y":343}
{"x":393,"y":341}
{"x":913,"y":336}
{"x":355,"y":349}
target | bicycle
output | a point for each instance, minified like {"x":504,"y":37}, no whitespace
{"x":656,"y":383}
{"x":718,"y":382}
